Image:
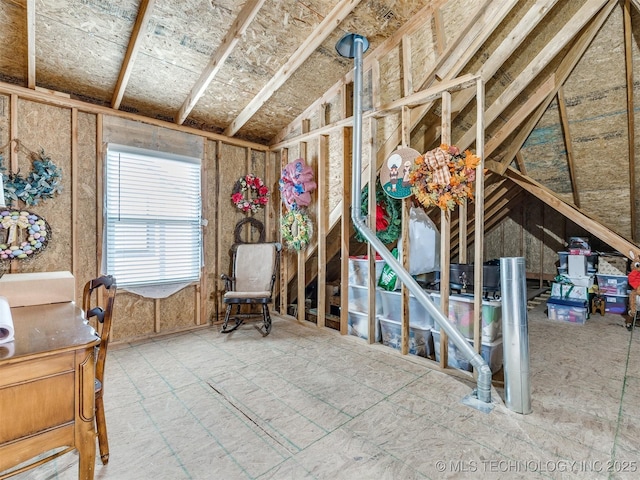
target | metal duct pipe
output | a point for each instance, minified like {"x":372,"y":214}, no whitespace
{"x":515,"y":334}
{"x":353,"y":46}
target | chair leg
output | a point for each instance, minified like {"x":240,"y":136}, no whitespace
{"x":226,"y":317}
{"x":101,"y":427}
{"x":266,"y":317}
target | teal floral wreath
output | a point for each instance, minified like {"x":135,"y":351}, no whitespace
{"x":388,"y":222}
{"x":44,"y":180}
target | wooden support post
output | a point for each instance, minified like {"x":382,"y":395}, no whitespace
{"x":284,"y":255}
{"x":202,"y":290}
{"x":445,"y":238}
{"x":100,"y":153}
{"x":302,"y":255}
{"x":323,"y":222}
{"x":345,"y":223}
{"x":74,"y":191}
{"x":13,"y":152}
{"x":372,"y":225}
{"x":478,"y":253}
{"x":404,"y":260}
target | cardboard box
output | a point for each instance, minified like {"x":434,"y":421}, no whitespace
{"x":612,"y":265}
{"x":23,"y":289}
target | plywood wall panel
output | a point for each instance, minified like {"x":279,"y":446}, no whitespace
{"x":178,"y":310}
{"x":334,"y":171}
{"x":46,"y":127}
{"x":134,"y":316}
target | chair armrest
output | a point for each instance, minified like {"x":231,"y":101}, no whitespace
{"x":228,"y":282}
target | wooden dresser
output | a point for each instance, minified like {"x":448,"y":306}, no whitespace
{"x":47,"y":388}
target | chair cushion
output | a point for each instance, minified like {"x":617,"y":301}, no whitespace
{"x":263,"y":294}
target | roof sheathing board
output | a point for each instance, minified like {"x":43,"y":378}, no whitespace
{"x":171,"y":58}
{"x":596,"y":99}
{"x":87,"y":62}
{"x":13,"y":63}
{"x":545,"y":154}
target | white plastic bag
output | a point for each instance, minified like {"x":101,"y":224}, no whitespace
{"x":424,"y":243}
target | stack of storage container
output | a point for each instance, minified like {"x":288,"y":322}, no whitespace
{"x":612,"y":283}
{"x":359,"y":296}
{"x":569,"y":300}
{"x":461,"y":311}
{"x":420,"y":323}
{"x":424,"y":331}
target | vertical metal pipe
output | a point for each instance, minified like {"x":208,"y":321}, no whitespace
{"x":483,"y":391}
{"x":515,"y":334}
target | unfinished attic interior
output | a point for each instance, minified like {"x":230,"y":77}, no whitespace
{"x":176,"y":150}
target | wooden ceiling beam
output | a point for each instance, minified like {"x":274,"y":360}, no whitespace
{"x":571,"y":28}
{"x":229,"y":42}
{"x":568,"y":143}
{"x":342,"y":9}
{"x":567,"y":65}
{"x":500,"y":55}
{"x":618,"y":242}
{"x":140,"y":26}
{"x":31,"y":44}
{"x":416,"y":22}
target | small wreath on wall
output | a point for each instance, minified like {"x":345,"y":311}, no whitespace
{"x":43,"y":181}
{"x":388,"y":210}
{"x":22,"y":234}
{"x":250,"y":193}
{"x":296,"y":229}
{"x":444,"y":177}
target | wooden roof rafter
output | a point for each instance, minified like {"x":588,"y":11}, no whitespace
{"x":342,"y":9}
{"x":573,"y":213}
{"x":581,"y":18}
{"x":565,"y":68}
{"x":369,"y":61}
{"x":140,"y":26}
{"x":31,"y":43}
{"x":230,"y":40}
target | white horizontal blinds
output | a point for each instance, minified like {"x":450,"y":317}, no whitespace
{"x":153,"y":210}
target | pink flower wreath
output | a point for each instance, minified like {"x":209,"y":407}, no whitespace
{"x":250,"y":193}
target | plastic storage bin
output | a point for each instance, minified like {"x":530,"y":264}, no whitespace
{"x":616,"y":303}
{"x":359,"y":299}
{"x":359,"y":270}
{"x":612,"y":284}
{"x":420,"y":340}
{"x":359,"y":325}
{"x":492,"y":353}
{"x":572,"y":311}
{"x":461,"y":315}
{"x":392,"y":309}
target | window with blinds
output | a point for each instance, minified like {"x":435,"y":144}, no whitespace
{"x":152,"y":217}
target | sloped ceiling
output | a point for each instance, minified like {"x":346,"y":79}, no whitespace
{"x":561,"y":88}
